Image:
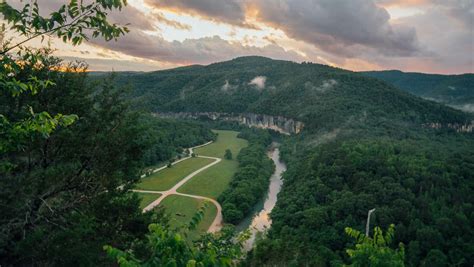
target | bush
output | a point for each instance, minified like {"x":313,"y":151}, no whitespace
{"x":228,"y":154}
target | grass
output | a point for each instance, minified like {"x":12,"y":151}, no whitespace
{"x":182,"y":209}
{"x":167,"y":178}
{"x":210,"y":183}
{"x":225,"y":140}
{"x":147,"y":198}
{"x":213,"y":181}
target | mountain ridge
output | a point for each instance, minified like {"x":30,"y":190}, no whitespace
{"x":454,"y":90}
{"x":321,"y":96}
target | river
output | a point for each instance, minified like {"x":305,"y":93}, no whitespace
{"x":259,"y":220}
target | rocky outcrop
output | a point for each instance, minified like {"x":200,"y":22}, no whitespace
{"x":458,"y":127}
{"x":277,"y":123}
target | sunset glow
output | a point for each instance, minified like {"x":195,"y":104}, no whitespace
{"x":356,"y":35}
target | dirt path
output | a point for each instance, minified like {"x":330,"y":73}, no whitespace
{"x":217,"y":223}
{"x":179,"y":160}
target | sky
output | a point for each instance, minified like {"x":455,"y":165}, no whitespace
{"x":433,"y":36}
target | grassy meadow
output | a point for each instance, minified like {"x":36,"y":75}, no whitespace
{"x":147,"y":198}
{"x":181,"y":210}
{"x":225,"y":140}
{"x":167,"y":178}
{"x":213,"y":181}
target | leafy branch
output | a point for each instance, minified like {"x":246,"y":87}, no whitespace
{"x":72,"y":22}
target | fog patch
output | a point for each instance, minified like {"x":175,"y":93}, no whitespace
{"x":271,"y":88}
{"x":323,"y":138}
{"x":259,"y":82}
{"x":227,"y":87}
{"x":464,"y":107}
{"x":325,"y":86}
{"x":184,"y":91}
{"x":431,"y":99}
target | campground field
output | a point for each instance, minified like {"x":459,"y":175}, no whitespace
{"x":210,"y":182}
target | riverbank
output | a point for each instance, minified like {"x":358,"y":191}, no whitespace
{"x":259,"y":221}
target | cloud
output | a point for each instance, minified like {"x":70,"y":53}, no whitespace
{"x":159,"y":17}
{"x":355,"y":34}
{"x":461,"y":10}
{"x":448,"y":38}
{"x":340,"y":26}
{"x":97,"y":64}
{"x":134,"y":17}
{"x":228,"y":11}
{"x":227,"y":86}
{"x":128,"y":14}
{"x":325,"y":86}
{"x":191,"y":51}
{"x":259,"y":82}
{"x":404,"y":3}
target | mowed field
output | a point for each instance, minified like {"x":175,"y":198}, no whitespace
{"x":213,"y":181}
{"x":147,"y":198}
{"x":167,"y":178}
{"x":225,"y":140}
{"x":182,"y":209}
{"x":209,"y":183}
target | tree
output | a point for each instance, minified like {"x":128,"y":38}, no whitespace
{"x":375,"y":251}
{"x":61,"y":173}
{"x":63,"y":185}
{"x":69,"y":23}
{"x":435,"y":258}
{"x":167,"y":247}
{"x":228,"y":154}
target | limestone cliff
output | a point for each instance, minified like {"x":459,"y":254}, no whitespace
{"x":278,"y":123}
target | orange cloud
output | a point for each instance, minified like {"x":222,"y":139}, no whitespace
{"x":402,"y":3}
{"x":178,"y":25}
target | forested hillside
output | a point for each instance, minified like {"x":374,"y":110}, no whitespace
{"x":365,"y":145}
{"x":454,"y":90}
{"x":424,"y":187}
{"x":72,"y":145}
{"x":321,"y":96}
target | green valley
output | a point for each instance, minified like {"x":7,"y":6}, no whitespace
{"x":237,"y":159}
{"x":343,"y":112}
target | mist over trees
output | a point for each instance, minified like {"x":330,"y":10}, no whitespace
{"x":72,"y":145}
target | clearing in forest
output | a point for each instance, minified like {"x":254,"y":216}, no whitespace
{"x":210,"y":182}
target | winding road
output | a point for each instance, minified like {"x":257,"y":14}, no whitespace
{"x":217,"y":223}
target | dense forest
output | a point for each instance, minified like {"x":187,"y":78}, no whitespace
{"x":454,"y":90}
{"x":60,"y":202}
{"x":424,"y":187}
{"x":322,"y":97}
{"x":251,"y":180}
{"x":72,"y":145}
{"x":364,"y":146}
{"x":71,"y":149}
{"x":170,"y":137}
